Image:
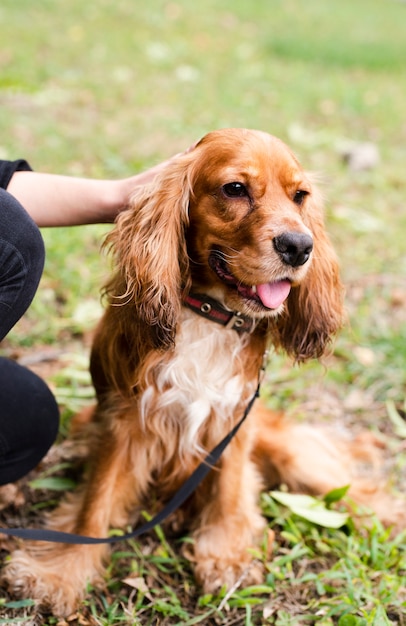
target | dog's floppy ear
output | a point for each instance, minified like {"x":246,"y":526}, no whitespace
{"x":150,"y":253}
{"x":314,"y":310}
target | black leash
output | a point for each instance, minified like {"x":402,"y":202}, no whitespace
{"x":186,"y":490}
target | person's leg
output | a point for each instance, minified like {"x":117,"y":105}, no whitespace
{"x":29,"y":414}
{"x":29,"y":420}
{"x":22,"y":256}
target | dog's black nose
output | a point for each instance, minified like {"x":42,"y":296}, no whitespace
{"x":294,"y":248}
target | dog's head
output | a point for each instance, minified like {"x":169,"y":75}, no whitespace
{"x":239,"y":219}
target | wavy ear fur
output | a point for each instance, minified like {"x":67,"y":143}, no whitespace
{"x":314,"y":309}
{"x":150,"y":253}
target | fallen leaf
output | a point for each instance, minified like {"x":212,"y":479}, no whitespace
{"x":311,"y":509}
{"x":138,"y":582}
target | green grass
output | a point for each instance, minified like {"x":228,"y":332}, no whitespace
{"x":106,"y":88}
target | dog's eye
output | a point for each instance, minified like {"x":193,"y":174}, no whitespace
{"x":235,"y":190}
{"x":299,"y":196}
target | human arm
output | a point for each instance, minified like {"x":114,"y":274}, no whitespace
{"x":54,"y":200}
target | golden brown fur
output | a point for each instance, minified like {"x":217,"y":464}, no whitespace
{"x":170,"y":384}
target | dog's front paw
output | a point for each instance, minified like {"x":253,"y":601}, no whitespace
{"x":223,"y":553}
{"x":54,"y":580}
{"x":213,"y":574}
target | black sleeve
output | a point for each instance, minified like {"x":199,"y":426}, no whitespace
{"x":7,"y":169}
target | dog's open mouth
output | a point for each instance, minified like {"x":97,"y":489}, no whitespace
{"x":269,"y":295}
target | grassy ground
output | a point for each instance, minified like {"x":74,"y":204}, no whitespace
{"x":109,"y":87}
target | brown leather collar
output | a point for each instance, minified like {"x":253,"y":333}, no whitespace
{"x":211,"y":309}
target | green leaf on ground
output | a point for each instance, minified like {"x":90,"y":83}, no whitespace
{"x":310,"y":508}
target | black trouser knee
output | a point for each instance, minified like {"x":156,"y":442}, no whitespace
{"x":29,"y":419}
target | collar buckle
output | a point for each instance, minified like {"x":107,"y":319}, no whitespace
{"x":212,"y":309}
{"x":236,"y":321}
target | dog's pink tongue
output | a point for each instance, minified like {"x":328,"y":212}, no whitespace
{"x":273,"y":294}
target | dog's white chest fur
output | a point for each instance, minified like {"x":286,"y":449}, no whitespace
{"x":203,"y":376}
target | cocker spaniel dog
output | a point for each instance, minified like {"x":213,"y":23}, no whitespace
{"x":223,"y":256}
